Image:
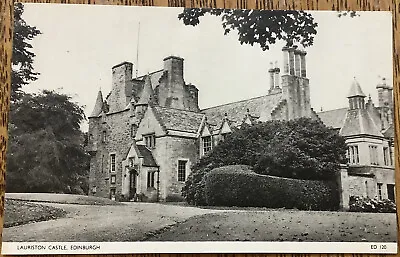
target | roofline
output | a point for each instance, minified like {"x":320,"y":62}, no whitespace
{"x":244,"y":100}
{"x":364,"y":135}
{"x":122,"y":63}
{"x":150,"y":73}
{"x":156,"y":105}
{"x":174,"y":57}
{"x":342,"y":108}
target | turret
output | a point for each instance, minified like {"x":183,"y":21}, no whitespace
{"x":356,"y":96}
{"x":385,"y":97}
{"x":145,"y":99}
{"x":98,"y":106}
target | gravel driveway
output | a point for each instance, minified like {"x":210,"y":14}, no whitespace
{"x":88,"y":223}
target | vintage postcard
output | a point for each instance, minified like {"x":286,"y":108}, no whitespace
{"x":172,"y":130}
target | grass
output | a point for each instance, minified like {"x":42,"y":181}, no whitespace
{"x":61,"y":198}
{"x":23,"y":212}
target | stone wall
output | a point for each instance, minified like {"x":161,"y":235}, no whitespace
{"x":169,"y":150}
{"x":118,"y":140}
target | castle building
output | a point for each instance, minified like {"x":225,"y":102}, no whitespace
{"x":148,"y":131}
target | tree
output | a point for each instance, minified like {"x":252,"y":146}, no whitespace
{"x":259,"y":26}
{"x":46,"y":152}
{"x":22,"y":57}
{"x":263,"y":27}
{"x":301,"y":149}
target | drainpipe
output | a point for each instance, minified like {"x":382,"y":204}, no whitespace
{"x":158,"y":183}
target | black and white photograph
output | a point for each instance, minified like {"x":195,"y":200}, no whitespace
{"x":184,"y":130}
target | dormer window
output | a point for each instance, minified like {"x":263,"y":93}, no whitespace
{"x":150,"y":140}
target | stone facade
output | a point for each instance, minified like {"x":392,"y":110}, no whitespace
{"x":148,"y":131}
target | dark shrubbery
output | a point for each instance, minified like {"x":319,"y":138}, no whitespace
{"x":361,"y":204}
{"x":239,"y":186}
{"x":301,"y":149}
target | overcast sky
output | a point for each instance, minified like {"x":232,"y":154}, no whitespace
{"x":80,"y":44}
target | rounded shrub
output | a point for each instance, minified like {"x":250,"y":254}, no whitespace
{"x":240,"y":186}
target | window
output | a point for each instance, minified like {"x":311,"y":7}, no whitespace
{"x":380,"y":191}
{"x":131,"y":161}
{"x":150,"y":179}
{"x":391,"y":192}
{"x":112,"y":179}
{"x":353,"y":154}
{"x":104,"y":136}
{"x":112,"y":162}
{"x":391,"y":156}
{"x":150,"y":140}
{"x":207,"y":145}
{"x":373,"y":154}
{"x":181,"y":170}
{"x":132,"y":132}
{"x":386,"y":157}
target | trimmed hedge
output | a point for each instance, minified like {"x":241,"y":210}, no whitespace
{"x":239,"y":186}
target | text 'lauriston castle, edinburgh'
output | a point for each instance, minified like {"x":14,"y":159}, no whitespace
{"x":148,"y":131}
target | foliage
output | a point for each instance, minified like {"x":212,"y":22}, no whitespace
{"x":22,"y":56}
{"x":302,"y":148}
{"x":260,"y":26}
{"x":364,"y":204}
{"x":238,"y":186}
{"x":45,"y":152}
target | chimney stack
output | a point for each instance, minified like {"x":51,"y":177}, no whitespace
{"x":297,"y":61}
{"x":277,"y":71}
{"x":271,"y":77}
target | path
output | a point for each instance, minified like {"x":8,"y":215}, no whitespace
{"x":88,"y":223}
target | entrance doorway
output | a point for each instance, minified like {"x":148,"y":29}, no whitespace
{"x":132,"y":184}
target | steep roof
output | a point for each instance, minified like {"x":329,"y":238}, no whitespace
{"x":333,"y":118}
{"x":236,"y":111}
{"x":147,"y":93}
{"x":154,"y":77}
{"x":148,"y":159}
{"x":98,"y":107}
{"x":355,"y":90}
{"x":360,"y":122}
{"x":179,"y":120}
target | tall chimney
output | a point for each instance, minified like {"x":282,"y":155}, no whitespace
{"x":271,"y":77}
{"x":121,"y":91}
{"x":175,"y":94}
{"x":303,"y":66}
{"x":297,"y":62}
{"x":291,"y":61}
{"x":277,"y":70}
{"x":285,"y":51}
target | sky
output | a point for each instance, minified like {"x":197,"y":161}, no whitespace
{"x":80,"y":43}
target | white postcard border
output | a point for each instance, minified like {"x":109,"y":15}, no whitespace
{"x":25,"y":248}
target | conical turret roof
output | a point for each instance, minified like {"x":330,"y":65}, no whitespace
{"x":147,"y":92}
{"x":355,"y":89}
{"x":98,"y":107}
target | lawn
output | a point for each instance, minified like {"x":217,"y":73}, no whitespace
{"x":61,"y":198}
{"x":283,"y":225}
{"x":22,"y":212}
